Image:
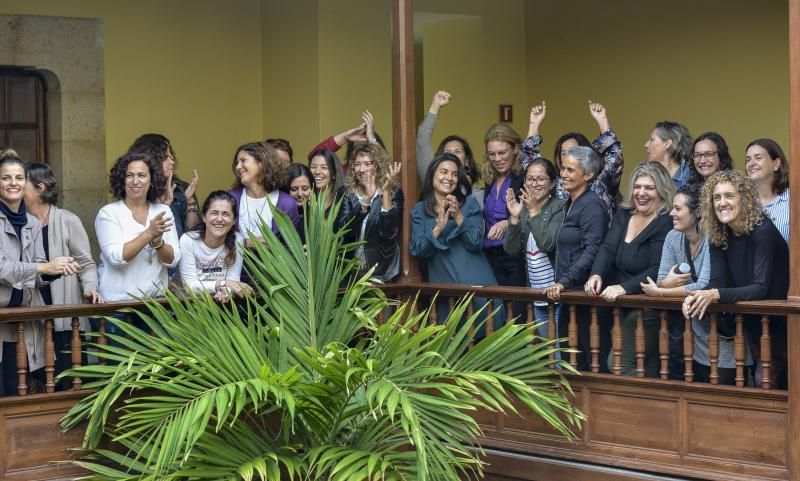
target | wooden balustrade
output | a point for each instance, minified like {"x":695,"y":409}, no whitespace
{"x":583,"y":319}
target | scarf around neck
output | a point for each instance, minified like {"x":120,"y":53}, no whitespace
{"x":17,"y":219}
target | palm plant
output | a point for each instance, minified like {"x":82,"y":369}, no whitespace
{"x":304,"y":382}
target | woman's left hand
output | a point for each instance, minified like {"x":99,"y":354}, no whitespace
{"x":554,"y":292}
{"x":369,"y":122}
{"x":94,"y":297}
{"x":650,"y":288}
{"x":391,"y":177}
{"x":192,"y":186}
{"x":611,"y":293}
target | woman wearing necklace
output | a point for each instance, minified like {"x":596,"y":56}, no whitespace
{"x":23,"y":269}
{"x":260,"y":173}
{"x":137,"y":237}
{"x":62,"y":235}
{"x":629,"y":254}
{"x":210,"y":258}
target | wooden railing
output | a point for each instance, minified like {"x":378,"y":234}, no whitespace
{"x":749,"y":423}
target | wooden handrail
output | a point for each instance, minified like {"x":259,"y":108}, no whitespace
{"x":772,"y":308}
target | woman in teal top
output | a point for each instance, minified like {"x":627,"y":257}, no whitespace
{"x":447,"y":228}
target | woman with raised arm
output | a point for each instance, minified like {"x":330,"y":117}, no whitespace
{"x":749,"y":257}
{"x":62,"y":235}
{"x":137,"y":236}
{"x":581,"y":233}
{"x":710,"y":155}
{"x":179,"y":195}
{"x":260,"y":173}
{"x":372,"y":211}
{"x":328,"y":176}
{"x":670,"y":144}
{"x":210,"y":256}
{"x":23,"y":268}
{"x":606,"y":145}
{"x":533,"y":224}
{"x":452,"y":144}
{"x":447,"y":228}
{"x":768,"y":168}
{"x":364,"y":133}
{"x":630,"y":253}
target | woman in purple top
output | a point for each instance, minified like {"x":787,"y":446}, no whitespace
{"x":260,"y":173}
{"x":502,"y":171}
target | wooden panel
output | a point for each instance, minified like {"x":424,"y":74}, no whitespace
{"x":622,"y":419}
{"x":31,"y":440}
{"x":732,"y":432}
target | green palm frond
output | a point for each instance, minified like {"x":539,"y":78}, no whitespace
{"x":305,"y":383}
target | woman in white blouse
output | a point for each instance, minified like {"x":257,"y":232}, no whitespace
{"x":210,"y":257}
{"x":137,"y":237}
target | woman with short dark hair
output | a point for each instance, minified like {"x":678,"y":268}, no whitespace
{"x":63,"y":235}
{"x":768,"y":168}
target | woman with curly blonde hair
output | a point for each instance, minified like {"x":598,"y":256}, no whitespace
{"x":749,"y":258}
{"x":260,"y":173}
{"x":372,"y":210}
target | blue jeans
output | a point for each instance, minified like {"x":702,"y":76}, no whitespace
{"x":542,"y":314}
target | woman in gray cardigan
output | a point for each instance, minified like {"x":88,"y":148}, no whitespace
{"x":63,"y":235}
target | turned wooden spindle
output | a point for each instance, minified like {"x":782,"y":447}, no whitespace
{"x":663,"y":345}
{"x":713,"y":349}
{"x":102,"y":340}
{"x":471,"y":330}
{"x":640,"y":343}
{"x":551,"y":327}
{"x":616,"y":343}
{"x":490,"y":317}
{"x":509,"y":311}
{"x":75,"y":347}
{"x":766,"y":353}
{"x":573,"y":336}
{"x":434,"y":317}
{"x":49,"y":357}
{"x":451,"y":304}
{"x":738,"y":343}
{"x":688,"y":349}
{"x":594,"y":340}
{"x":22,"y":361}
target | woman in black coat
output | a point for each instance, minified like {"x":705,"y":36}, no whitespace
{"x":631,"y":252}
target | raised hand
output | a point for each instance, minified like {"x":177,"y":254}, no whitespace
{"x":392,"y":176}
{"x":599,"y":114}
{"x":440,"y":99}
{"x":169,"y":195}
{"x":192,"y":185}
{"x":533,"y":200}
{"x":537,"y":117}
{"x":454,"y":208}
{"x":356,"y":134}
{"x":514,"y":206}
{"x":369,"y":122}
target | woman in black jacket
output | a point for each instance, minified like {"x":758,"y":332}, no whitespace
{"x":584,"y":227}
{"x":372,"y":210}
{"x":630,"y":254}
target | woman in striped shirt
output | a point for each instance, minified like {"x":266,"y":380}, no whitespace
{"x":768,"y":168}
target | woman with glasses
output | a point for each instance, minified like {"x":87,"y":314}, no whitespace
{"x":372,"y":210}
{"x":768,"y":168}
{"x":670,"y":144}
{"x":606,"y":145}
{"x":533,"y":224}
{"x":710,"y":155}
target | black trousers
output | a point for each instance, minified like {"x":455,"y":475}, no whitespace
{"x":509,"y":271}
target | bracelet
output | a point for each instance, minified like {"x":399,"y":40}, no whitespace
{"x":157,"y":246}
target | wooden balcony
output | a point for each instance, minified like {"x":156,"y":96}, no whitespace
{"x":637,"y":428}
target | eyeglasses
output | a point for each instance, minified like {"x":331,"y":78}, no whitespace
{"x":537,"y":180}
{"x":708,"y":155}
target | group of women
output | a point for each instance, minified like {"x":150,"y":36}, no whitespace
{"x":155,"y":235}
{"x":688,"y":226}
